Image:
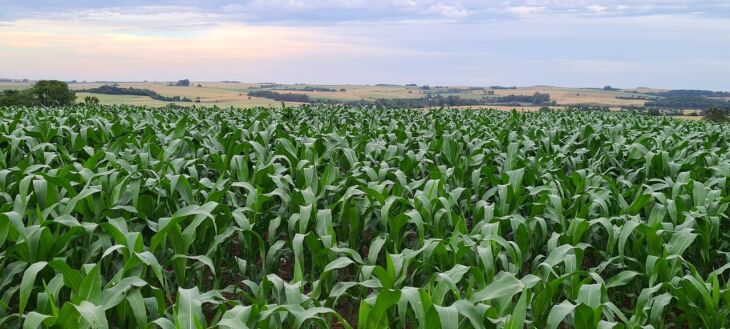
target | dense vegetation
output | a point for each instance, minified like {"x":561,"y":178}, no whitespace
{"x":284,"y":97}
{"x":716,"y":115}
{"x":534,"y":99}
{"x":688,"y":102}
{"x":430,"y":100}
{"x":306,"y":88}
{"x":317,"y":89}
{"x":181,"y":83}
{"x":42,"y":93}
{"x":439,"y":100}
{"x":15,"y":98}
{"x":116,"y":90}
{"x":691,"y":93}
{"x":638,"y":96}
{"x":337,"y":217}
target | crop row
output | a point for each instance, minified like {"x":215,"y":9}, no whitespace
{"x":337,"y":217}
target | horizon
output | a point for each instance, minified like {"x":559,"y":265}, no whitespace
{"x":678,"y":44}
{"x":74,"y":81}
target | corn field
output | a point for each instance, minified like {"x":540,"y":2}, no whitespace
{"x":338,"y":217}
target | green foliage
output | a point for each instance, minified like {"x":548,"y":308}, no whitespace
{"x":284,"y":97}
{"x":91,"y":100}
{"x":52,"y":93}
{"x":16,"y":98}
{"x":43,"y":93}
{"x":535,"y":99}
{"x":116,"y":90}
{"x":688,"y":102}
{"x":690,"y":93}
{"x":716,"y":115}
{"x":341,"y":217}
{"x":653,"y":112}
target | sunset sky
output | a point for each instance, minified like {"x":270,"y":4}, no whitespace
{"x":671,"y":43}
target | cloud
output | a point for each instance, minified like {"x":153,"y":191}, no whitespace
{"x":526,"y":10}
{"x":225,"y":40}
{"x":313,"y":12}
{"x":516,"y":42}
{"x":598,"y":9}
{"x":448,"y":11}
{"x":91,"y":49}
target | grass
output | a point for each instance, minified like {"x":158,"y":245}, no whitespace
{"x":14,"y":85}
{"x":577,"y":96}
{"x":123,"y":99}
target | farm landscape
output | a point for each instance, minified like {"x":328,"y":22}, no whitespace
{"x":431,"y":164}
{"x":687,"y":104}
{"x":333,"y":216}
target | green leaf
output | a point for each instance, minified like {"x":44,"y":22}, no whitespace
{"x":93,"y":315}
{"x":378,"y":317}
{"x":338,"y":263}
{"x":621,"y":279}
{"x":189,"y":308}
{"x":657,"y":308}
{"x":90,"y":288}
{"x":26,"y":284}
{"x":517,"y":320}
{"x":448,"y":316}
{"x":680,"y":241}
{"x":590,"y":294}
{"x":584,"y":317}
{"x":235,"y":318}
{"x":639,"y":204}
{"x":558,"y":314}
{"x":34,"y":320}
{"x":504,"y":285}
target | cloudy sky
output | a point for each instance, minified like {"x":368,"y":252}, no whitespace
{"x":657,"y":43}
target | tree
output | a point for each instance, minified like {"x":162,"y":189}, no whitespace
{"x":91,"y":100}
{"x":183,"y":83}
{"x":52,"y":93}
{"x":15,"y":98}
{"x":716,"y":115}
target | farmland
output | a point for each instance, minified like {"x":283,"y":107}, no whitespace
{"x":686,"y":104}
{"x":344,"y":217}
{"x":223,"y":94}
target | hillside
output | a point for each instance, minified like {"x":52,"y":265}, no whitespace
{"x":238,"y":94}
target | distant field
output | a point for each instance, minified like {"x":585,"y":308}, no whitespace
{"x":14,"y":85}
{"x":356,"y":93}
{"x":123,"y":99}
{"x":576,"y":96}
{"x":690,"y":117}
{"x":235,"y":94}
{"x":210,"y":94}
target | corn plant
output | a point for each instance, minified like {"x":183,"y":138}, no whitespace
{"x":342,"y":217}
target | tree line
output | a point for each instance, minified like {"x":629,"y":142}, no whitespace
{"x":131,"y":91}
{"x":430,"y":100}
{"x":688,"y":102}
{"x":283,"y":97}
{"x":690,"y":93}
{"x":42,"y":93}
{"x":535,"y":99}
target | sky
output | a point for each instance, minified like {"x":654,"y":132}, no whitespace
{"x":579,"y":43}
